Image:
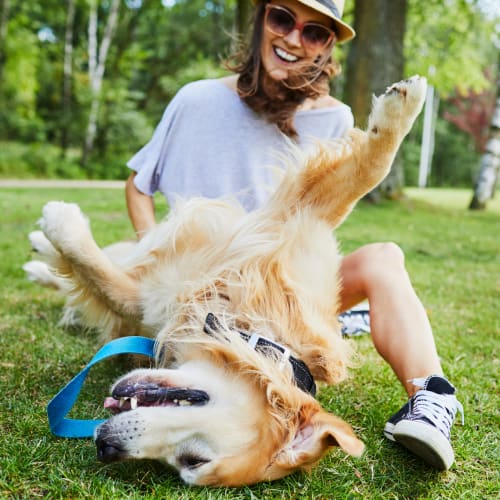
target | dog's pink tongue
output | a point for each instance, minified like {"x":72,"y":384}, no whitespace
{"x":111,"y":403}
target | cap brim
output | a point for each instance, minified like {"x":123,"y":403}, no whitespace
{"x":343,"y":30}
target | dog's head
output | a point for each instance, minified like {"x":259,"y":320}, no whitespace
{"x":220,"y":421}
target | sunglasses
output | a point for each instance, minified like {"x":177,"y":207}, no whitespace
{"x":281,"y":21}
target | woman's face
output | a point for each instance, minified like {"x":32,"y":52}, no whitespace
{"x":282,"y":54}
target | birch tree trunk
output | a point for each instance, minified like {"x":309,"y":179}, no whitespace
{"x":487,"y":178}
{"x":375,"y":61}
{"x":97,"y":66}
{"x":67,"y":76}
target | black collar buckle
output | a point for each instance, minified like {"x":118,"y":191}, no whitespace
{"x":302,"y":375}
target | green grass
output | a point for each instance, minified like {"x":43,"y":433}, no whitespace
{"x":453,"y":257}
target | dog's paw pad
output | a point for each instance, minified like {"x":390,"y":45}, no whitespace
{"x":414,"y":88}
{"x":396,"y":110}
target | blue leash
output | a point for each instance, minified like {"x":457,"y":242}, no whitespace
{"x":61,"y":404}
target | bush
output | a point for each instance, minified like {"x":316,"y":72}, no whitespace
{"x":454,"y":162}
{"x":37,"y":160}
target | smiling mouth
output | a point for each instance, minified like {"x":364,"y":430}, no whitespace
{"x":285,"y":56}
{"x":126,"y":397}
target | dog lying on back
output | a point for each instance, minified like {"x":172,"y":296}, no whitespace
{"x":243,"y":307}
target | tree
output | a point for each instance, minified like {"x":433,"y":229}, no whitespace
{"x":97,"y":66}
{"x":472,"y":113}
{"x":375,"y":60}
{"x":67,"y":75}
{"x":243,"y":13}
{"x":487,"y":177}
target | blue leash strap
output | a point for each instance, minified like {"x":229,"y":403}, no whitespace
{"x":61,"y":404}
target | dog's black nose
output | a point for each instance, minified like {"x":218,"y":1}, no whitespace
{"x":108,"y":449}
{"x":108,"y":452}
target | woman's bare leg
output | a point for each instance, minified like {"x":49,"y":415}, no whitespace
{"x":400,"y":329}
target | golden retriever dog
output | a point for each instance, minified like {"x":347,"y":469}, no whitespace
{"x":243,"y":307}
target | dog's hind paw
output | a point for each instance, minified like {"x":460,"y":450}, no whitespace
{"x":39,"y":272}
{"x":63,"y":224}
{"x":41,"y":245}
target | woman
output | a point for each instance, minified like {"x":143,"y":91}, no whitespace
{"x":216,"y":138}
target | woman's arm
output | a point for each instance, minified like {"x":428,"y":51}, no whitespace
{"x":141,"y":208}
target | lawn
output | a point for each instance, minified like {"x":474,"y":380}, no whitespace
{"x":453,"y":257}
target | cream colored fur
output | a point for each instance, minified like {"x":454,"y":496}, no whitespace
{"x":273,"y":272}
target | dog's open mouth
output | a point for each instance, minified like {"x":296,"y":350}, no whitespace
{"x":127,"y":397}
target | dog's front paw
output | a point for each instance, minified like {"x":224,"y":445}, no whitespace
{"x":397,"y":109}
{"x":63,"y":224}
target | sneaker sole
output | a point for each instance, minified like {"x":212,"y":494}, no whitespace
{"x":426,"y":442}
{"x":388,"y":431}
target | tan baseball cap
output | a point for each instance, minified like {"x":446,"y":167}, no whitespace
{"x":334,"y":10}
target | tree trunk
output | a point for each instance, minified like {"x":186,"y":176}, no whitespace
{"x":375,"y":61}
{"x":243,"y":10}
{"x":97,"y":66}
{"x":67,"y":77}
{"x":487,"y":178}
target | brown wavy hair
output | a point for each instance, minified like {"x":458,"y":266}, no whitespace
{"x":278,"y":100}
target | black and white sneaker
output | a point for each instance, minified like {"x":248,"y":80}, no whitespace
{"x":355,"y":321}
{"x":423,"y":424}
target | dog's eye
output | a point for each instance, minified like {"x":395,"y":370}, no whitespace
{"x":190,"y":461}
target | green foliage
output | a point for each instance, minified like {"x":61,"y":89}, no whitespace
{"x":451,"y":43}
{"x":443,"y":242}
{"x":196,"y":70}
{"x":37,"y":160}
{"x":454,"y":162}
{"x":18,"y":89}
{"x":156,"y":49}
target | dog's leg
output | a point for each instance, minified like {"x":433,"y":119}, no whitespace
{"x":93,"y":277}
{"x":344,"y":171}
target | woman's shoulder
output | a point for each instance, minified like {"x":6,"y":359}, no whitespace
{"x":202,"y":89}
{"x":326,"y":102}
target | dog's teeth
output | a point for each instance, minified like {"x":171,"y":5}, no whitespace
{"x":133,"y":403}
{"x":176,"y":401}
{"x":184,"y":402}
{"x":121,"y":402}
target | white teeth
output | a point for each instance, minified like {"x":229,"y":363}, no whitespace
{"x":121,"y":402}
{"x":133,"y":403}
{"x":184,"y":403}
{"x":283,"y":54}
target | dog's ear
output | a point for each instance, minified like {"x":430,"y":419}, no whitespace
{"x":317,"y":433}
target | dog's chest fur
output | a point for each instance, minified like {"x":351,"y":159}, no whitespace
{"x":279,"y":283}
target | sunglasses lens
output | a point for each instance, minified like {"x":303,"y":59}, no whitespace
{"x":316,"y":35}
{"x":280,"y":21}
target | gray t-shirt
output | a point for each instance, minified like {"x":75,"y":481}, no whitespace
{"x":210,"y":143}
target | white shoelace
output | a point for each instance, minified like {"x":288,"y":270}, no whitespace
{"x":439,"y":409}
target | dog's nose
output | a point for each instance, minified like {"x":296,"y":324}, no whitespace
{"x":108,"y":452}
{"x":108,"y":449}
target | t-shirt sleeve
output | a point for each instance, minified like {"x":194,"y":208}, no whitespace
{"x":150,"y":160}
{"x":344,"y":123}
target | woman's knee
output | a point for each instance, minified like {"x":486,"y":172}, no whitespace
{"x":388,"y":254}
{"x":380,"y":259}
{"x":369,"y":269}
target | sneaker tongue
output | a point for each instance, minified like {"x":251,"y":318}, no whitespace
{"x":439,"y":385}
